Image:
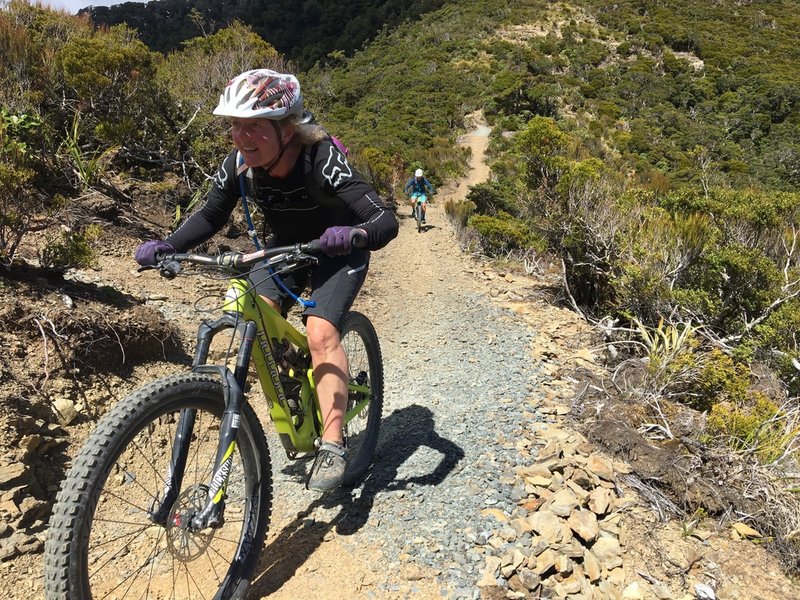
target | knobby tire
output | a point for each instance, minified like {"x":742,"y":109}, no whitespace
{"x":360,"y":343}
{"x":101,"y":541}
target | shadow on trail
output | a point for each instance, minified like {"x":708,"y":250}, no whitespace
{"x":402,"y":433}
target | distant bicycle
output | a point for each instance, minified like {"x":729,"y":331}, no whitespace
{"x":416,"y":188}
{"x":420,"y":200}
{"x":170,"y":497}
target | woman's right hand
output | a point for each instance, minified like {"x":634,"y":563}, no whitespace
{"x":145,"y":254}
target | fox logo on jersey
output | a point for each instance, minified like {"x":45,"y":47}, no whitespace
{"x":336,"y":169}
{"x":220,"y":178}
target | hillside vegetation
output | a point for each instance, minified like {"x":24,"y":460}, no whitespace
{"x":648,"y":149}
{"x":307,"y":32}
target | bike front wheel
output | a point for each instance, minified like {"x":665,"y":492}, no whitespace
{"x":104,"y":541}
{"x":418,"y":214}
{"x":365,"y":365}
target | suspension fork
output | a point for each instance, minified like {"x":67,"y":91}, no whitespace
{"x":233,"y":385}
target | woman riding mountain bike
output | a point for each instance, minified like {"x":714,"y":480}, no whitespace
{"x":170,"y":496}
{"x":417,"y":186}
{"x":306,"y":189}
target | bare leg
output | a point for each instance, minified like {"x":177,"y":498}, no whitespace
{"x":330,"y":374}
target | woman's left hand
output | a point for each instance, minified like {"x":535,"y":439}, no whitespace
{"x":337,"y":240}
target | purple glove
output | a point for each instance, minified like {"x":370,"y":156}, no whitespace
{"x":336,"y":240}
{"x":146,"y":253}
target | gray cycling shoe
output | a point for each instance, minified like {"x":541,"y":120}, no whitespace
{"x":329,"y":466}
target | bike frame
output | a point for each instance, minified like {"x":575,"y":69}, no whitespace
{"x":261,"y":328}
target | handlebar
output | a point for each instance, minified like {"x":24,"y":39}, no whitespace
{"x":169,"y":264}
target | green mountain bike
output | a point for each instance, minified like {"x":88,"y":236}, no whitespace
{"x":170,"y":497}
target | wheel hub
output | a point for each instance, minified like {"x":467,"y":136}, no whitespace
{"x":184,"y":542}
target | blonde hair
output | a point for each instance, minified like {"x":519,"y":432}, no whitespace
{"x":306,"y":133}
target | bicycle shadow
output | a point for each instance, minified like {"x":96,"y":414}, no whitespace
{"x":402,"y":433}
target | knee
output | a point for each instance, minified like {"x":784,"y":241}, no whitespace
{"x":322,"y":335}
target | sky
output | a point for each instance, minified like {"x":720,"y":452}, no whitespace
{"x":73,"y":6}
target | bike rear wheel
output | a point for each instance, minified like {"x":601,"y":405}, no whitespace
{"x":102,"y":542}
{"x":365,"y":364}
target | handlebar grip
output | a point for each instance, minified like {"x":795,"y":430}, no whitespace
{"x":313,"y":246}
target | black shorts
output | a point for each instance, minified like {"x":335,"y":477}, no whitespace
{"x":334,"y":284}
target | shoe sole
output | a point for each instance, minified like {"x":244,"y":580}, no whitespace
{"x":319,"y":488}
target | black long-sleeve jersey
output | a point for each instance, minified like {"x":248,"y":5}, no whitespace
{"x":292,"y":211}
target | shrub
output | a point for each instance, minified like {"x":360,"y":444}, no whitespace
{"x":459,"y":211}
{"x":744,"y":279}
{"x":489,"y":199}
{"x":376,"y":165}
{"x":72,"y":249}
{"x":679,"y":368}
{"x":756,"y":425}
{"x":776,"y":341}
{"x":503,"y":233}
{"x":23,"y":208}
{"x":16,"y":133}
{"x":660,"y":249}
{"x":716,"y":378}
{"x":639,"y":291}
{"x":107,"y":70}
{"x":541,"y":146}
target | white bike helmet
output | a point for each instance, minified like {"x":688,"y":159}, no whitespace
{"x":418,"y":173}
{"x":261,"y":93}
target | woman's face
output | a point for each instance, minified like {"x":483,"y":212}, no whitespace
{"x":257,"y":140}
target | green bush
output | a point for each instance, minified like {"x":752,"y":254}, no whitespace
{"x":756,"y":425}
{"x":72,"y":248}
{"x":490,"y":199}
{"x":502,"y":233}
{"x":681,"y":369}
{"x":376,"y":165}
{"x":745,"y":280}
{"x":23,"y":208}
{"x":659,"y":249}
{"x":109,"y":77}
{"x":17,"y":131}
{"x":776,"y":342}
{"x":639,"y":291}
{"x":703,"y":304}
{"x":459,"y":211}
{"x":718,"y":378}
